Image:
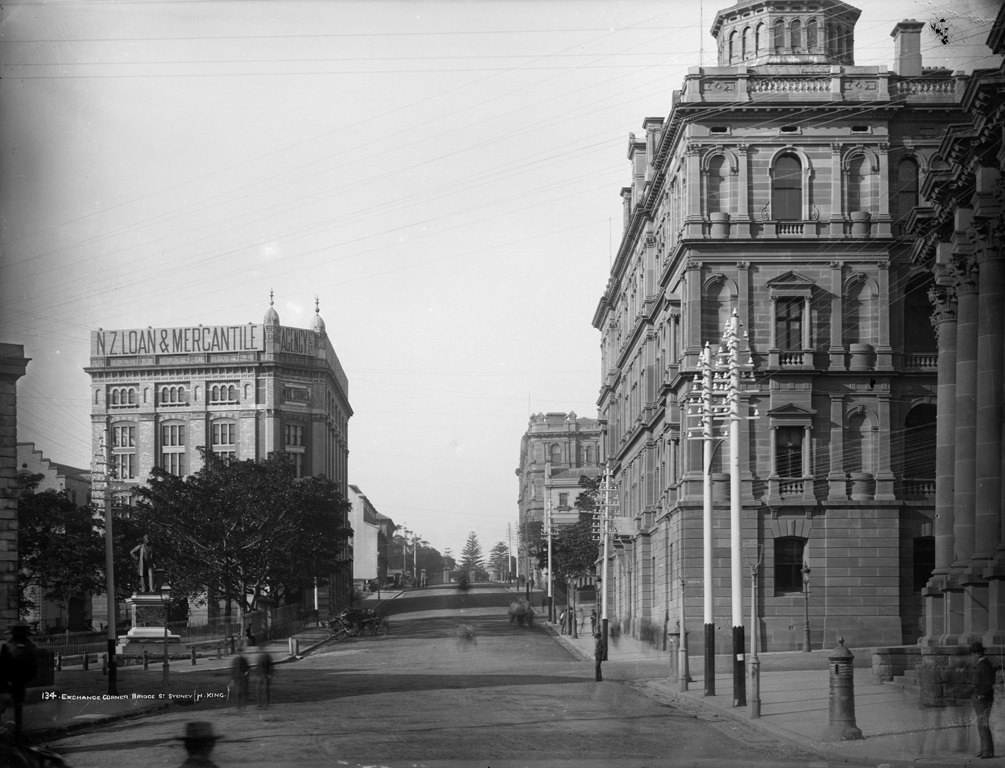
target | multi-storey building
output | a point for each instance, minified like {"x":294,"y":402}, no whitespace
{"x":959,"y":232}
{"x":779,"y":187}
{"x":556,"y":451}
{"x":240,"y":391}
{"x":369,"y":542}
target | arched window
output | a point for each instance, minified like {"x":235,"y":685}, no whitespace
{"x":858,"y":174}
{"x":555,"y":454}
{"x":716,"y":309}
{"x":716,"y":198}
{"x":787,"y":189}
{"x":760,"y":41}
{"x":858,"y":308}
{"x":733,"y":47}
{"x":748,"y":51}
{"x":789,"y":552}
{"x":796,"y":35}
{"x":779,"y":37}
{"x":811,"y":36}
{"x":858,"y":443}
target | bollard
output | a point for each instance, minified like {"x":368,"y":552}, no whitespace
{"x":59,"y":662}
{"x":146,"y":659}
{"x":233,"y":644}
{"x":842,"y":696}
{"x":219,"y":651}
{"x":754,"y":703}
{"x":87,"y":661}
{"x":104,"y":664}
{"x":193,"y":657}
{"x":296,"y":646}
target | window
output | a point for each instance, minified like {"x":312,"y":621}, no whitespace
{"x":556,"y":454}
{"x":789,"y":451}
{"x":919,"y":442}
{"x":858,"y":184}
{"x":122,"y":397}
{"x":222,"y":393}
{"x":787,"y":189}
{"x":173,"y":448}
{"x":124,"y":451}
{"x":173,"y":396}
{"x":293,"y":438}
{"x":811,"y":35}
{"x":779,"y":36}
{"x":919,"y":335}
{"x":224,"y":435}
{"x":716,"y":310}
{"x":789,"y":563}
{"x":796,"y":35}
{"x":905,"y":192}
{"x":717,"y":189}
{"x":748,"y":50}
{"x":789,"y":324}
{"x":563,"y":501}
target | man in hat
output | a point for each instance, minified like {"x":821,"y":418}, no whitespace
{"x":18,"y":667}
{"x":984,"y":694}
{"x":199,"y":741}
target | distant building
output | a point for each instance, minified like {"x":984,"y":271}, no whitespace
{"x":13,"y":365}
{"x":555,"y":452}
{"x":76,"y":484}
{"x":366,"y":538}
{"x":240,"y":391}
{"x":780,"y":187}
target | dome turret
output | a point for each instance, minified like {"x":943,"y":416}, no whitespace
{"x":271,"y":316}
{"x":318,"y":324}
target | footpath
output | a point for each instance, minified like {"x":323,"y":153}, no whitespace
{"x":795,"y":705}
{"x":81,"y":698}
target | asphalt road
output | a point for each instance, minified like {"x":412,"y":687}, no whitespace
{"x":512,"y":696}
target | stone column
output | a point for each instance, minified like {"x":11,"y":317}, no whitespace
{"x":883,"y":352}
{"x":743,"y":191}
{"x":884,"y":474}
{"x":837,"y":199}
{"x":966,"y":409}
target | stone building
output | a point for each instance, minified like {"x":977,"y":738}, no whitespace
{"x":369,"y":544}
{"x":13,"y":365}
{"x":780,"y":187}
{"x":555,"y":452}
{"x":240,"y":391}
{"x":959,"y":232}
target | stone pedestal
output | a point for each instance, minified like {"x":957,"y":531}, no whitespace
{"x":148,"y":614}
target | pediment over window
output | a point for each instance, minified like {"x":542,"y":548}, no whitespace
{"x":790,"y":284}
{"x":791,"y":413}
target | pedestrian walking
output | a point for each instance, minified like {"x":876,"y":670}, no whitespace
{"x":18,"y":666}
{"x":579,"y":619}
{"x":599,"y":654}
{"x":199,"y":741}
{"x":239,"y":673}
{"x":561,"y":622}
{"x":593,"y":621}
{"x":265,"y":668}
{"x":984,"y":694}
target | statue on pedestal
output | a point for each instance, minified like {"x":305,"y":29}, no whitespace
{"x":143,"y":554}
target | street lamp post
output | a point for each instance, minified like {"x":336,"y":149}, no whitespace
{"x":755,"y":662}
{"x":806,"y":607}
{"x":165,"y":598}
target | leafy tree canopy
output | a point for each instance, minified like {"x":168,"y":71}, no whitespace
{"x":244,"y":529}
{"x":499,"y":560}
{"x":60,"y":545}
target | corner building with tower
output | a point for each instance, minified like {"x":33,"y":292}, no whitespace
{"x":781,"y":188}
{"x":240,"y":391}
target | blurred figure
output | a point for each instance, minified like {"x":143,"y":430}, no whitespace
{"x":466,"y":635}
{"x":239,"y":673}
{"x":199,"y":741}
{"x":265,"y":669}
{"x":18,"y":665}
{"x":593,"y":621}
{"x":599,"y":654}
{"x":249,"y":636}
{"x":984,"y":694}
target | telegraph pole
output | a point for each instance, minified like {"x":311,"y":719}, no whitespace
{"x":102,"y":473}
{"x":548,"y":533}
{"x":605,"y":534}
{"x":732,"y":344}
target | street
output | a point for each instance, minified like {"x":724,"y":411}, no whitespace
{"x":422,"y":696}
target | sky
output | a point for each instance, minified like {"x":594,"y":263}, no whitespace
{"x":443,"y":176}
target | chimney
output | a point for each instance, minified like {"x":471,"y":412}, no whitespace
{"x":907,"y":48}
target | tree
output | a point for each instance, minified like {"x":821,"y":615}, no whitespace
{"x":499,"y":561}
{"x":244,"y":529}
{"x":471,"y":556}
{"x":60,"y":546}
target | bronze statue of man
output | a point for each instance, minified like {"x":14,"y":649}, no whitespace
{"x":143,"y":554}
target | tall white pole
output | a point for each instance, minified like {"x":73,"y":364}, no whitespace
{"x":103,"y":471}
{"x":605,"y":528}
{"x":548,"y":533}
{"x":706,"y":452}
{"x":735,"y":542}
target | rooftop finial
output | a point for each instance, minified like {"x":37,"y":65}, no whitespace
{"x":317,"y":305}
{"x":270,"y":297}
